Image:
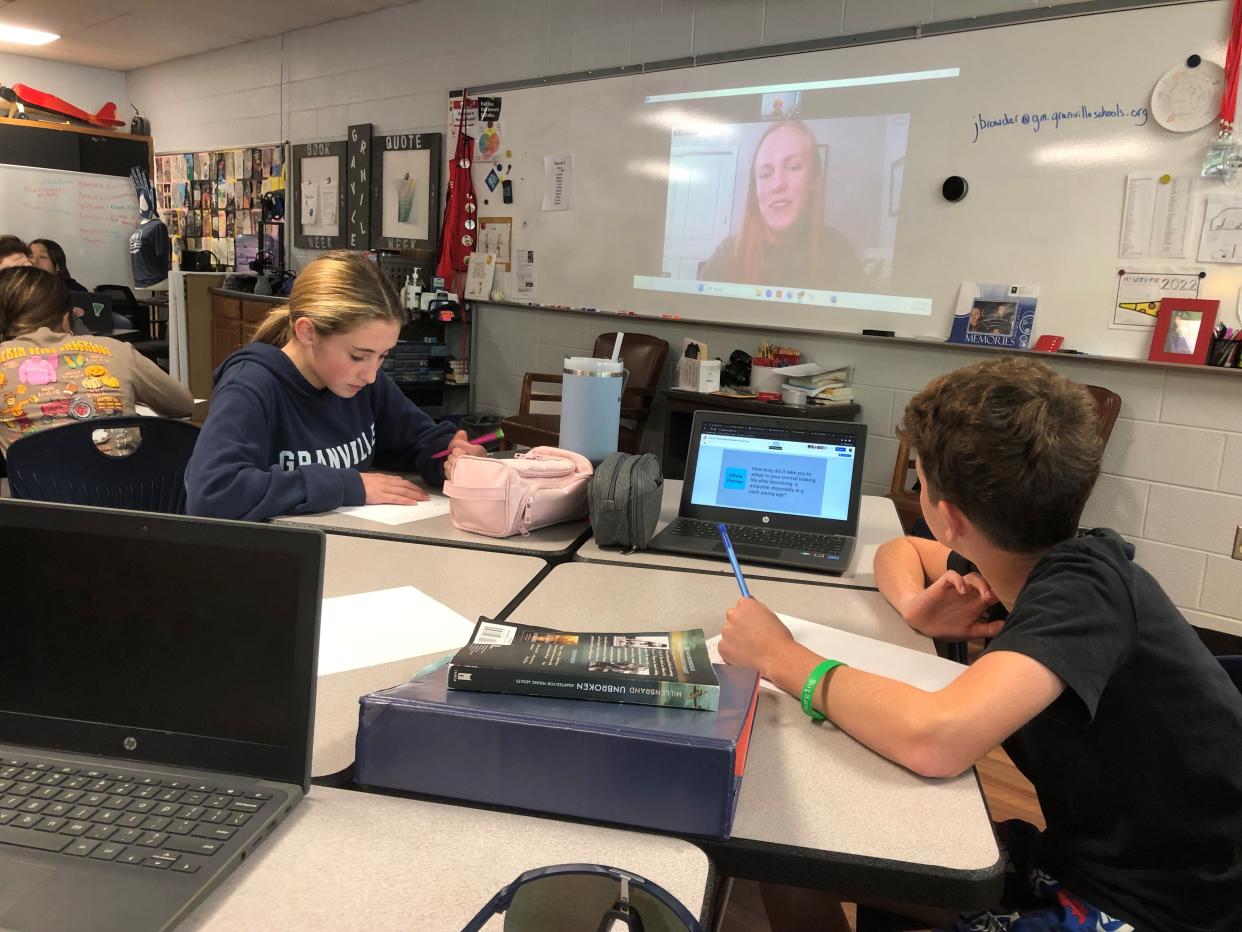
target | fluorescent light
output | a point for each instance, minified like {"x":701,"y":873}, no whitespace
{"x":20,"y":36}
{"x":831,"y":84}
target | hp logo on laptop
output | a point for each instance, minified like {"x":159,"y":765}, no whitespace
{"x":766,"y":519}
{"x":130,"y":744}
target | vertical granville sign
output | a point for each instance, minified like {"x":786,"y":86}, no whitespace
{"x":358,"y":187}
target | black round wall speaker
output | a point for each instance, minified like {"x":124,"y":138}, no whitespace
{"x":954,"y":188}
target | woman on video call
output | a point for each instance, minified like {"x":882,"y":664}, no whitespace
{"x":783,"y":240}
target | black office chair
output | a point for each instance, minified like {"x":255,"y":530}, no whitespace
{"x":126,"y":302}
{"x":64,"y":464}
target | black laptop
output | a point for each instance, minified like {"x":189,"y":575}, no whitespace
{"x":157,"y":685}
{"x":96,"y":312}
{"x":788,"y":489}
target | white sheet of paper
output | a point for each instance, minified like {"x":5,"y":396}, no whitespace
{"x":1156,"y":215}
{"x":525,"y":259}
{"x":926,"y":671}
{"x":371,"y":628}
{"x":1221,"y":240}
{"x":328,"y":194}
{"x":558,"y":182}
{"x":145,"y":411}
{"x":434,"y":507}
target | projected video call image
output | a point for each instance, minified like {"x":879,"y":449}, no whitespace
{"x":786,"y":202}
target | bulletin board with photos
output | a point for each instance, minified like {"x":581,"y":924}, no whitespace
{"x":213,"y":202}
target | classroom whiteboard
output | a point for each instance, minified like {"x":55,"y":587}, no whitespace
{"x":1044,"y":120}
{"x":91,"y":216}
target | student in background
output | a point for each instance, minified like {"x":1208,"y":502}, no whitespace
{"x":49,"y":377}
{"x":301,"y":414}
{"x":1130,"y":730}
{"x":13,"y":252}
{"x":47,"y":255}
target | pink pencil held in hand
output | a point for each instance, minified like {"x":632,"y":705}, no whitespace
{"x":486,"y":438}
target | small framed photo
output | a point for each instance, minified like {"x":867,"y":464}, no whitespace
{"x":319,"y":195}
{"x":1183,"y":331}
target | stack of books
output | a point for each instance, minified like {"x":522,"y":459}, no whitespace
{"x":825,"y":387}
{"x":458,"y":372}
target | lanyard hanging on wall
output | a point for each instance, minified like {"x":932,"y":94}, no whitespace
{"x":1223,"y":157}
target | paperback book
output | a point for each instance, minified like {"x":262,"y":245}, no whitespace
{"x":665,"y":668}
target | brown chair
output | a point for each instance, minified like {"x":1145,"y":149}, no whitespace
{"x":906,"y":498}
{"x":644,"y":359}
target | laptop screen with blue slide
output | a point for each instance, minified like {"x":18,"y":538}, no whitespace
{"x":792,"y":473}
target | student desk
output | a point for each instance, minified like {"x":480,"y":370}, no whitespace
{"x":470,"y":582}
{"x":349,"y":860}
{"x":555,"y":542}
{"x":817,"y":808}
{"x":877,"y":523}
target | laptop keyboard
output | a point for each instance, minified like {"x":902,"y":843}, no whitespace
{"x":768,"y":537}
{"x":123,"y":817}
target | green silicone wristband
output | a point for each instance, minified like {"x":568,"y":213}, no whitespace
{"x":812,"y":684}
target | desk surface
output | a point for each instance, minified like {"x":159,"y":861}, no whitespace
{"x":877,"y":523}
{"x":817,"y":808}
{"x":470,"y":582}
{"x":350,"y":860}
{"x":558,"y":540}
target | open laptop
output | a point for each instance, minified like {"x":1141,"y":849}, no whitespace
{"x":157,"y":685}
{"x":96,"y":308}
{"x":788,"y":489}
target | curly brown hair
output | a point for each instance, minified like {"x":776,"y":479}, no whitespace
{"x":1012,"y":444}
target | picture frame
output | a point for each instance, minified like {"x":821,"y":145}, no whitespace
{"x":405,"y":191}
{"x":318,"y":185}
{"x":1183,"y":331}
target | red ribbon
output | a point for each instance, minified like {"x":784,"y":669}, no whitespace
{"x":1229,"y":99}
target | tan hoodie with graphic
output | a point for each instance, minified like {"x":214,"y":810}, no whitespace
{"x":48,"y":379}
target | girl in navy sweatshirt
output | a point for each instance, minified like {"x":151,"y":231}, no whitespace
{"x":299,"y":416}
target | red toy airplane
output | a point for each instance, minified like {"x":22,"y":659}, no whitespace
{"x":22,"y":98}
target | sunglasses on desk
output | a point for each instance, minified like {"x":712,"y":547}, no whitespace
{"x":585,"y":898}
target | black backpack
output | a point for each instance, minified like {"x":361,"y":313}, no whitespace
{"x":624,"y":497}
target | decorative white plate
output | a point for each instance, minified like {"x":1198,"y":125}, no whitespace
{"x":1187,"y":99}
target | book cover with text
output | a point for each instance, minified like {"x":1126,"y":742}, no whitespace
{"x":665,"y":668}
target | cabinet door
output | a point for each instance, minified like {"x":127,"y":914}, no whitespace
{"x":225,"y":307}
{"x":226,"y":336}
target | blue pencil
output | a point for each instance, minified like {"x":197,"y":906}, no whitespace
{"x":737,"y":570}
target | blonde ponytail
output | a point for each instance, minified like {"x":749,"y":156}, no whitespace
{"x":276,"y":328}
{"x":338,"y":292}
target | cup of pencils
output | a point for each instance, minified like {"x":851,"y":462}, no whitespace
{"x":1226,"y":347}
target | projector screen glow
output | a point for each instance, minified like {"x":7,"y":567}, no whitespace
{"x":784,"y":194}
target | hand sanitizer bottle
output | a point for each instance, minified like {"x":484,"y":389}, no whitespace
{"x":416,"y":298}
